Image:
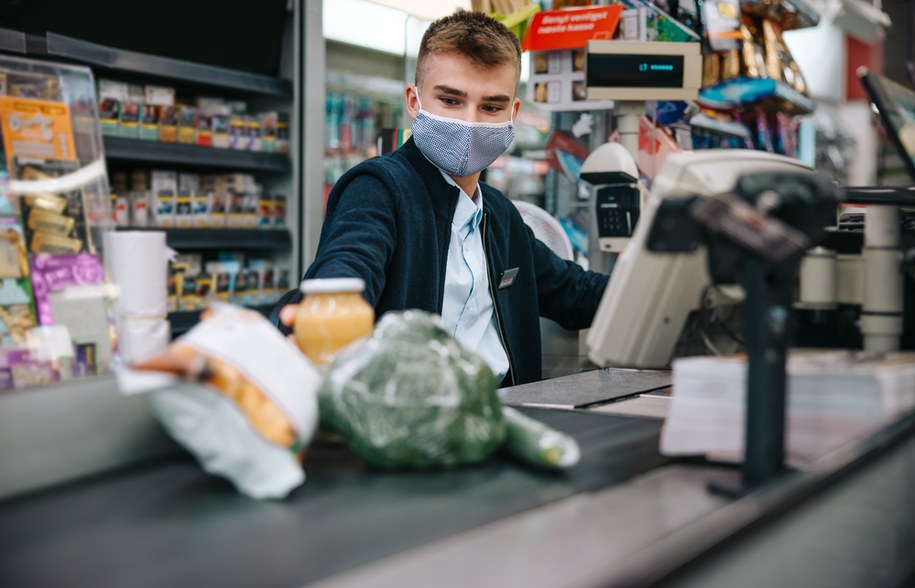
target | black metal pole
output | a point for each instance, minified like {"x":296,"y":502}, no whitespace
{"x":768,"y":304}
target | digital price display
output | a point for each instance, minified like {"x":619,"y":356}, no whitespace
{"x":638,"y":71}
{"x":608,"y":70}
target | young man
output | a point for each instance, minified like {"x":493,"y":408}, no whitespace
{"x":422,"y":231}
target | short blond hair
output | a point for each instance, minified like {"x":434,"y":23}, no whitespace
{"x":480,"y":38}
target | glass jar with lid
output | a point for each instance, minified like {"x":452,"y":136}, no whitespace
{"x":332,"y":314}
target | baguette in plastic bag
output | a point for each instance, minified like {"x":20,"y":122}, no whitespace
{"x":248,"y":408}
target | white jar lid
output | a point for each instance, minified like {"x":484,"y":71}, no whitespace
{"x":332,"y":285}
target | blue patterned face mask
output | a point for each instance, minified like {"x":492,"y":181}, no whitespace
{"x":460,"y":148}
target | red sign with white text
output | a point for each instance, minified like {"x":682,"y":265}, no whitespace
{"x":571,"y":28}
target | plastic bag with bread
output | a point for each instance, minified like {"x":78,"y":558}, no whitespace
{"x":247,"y":408}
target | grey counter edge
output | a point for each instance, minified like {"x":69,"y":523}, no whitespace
{"x":825,"y":527}
{"x":67,"y":431}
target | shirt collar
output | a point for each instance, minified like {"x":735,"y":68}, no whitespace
{"x":442,"y":195}
{"x":468,"y":211}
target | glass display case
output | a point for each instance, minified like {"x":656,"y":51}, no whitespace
{"x":55,"y":308}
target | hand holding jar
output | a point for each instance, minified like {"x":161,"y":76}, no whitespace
{"x":332,"y":314}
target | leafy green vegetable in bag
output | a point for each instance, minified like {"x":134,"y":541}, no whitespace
{"x":411,"y":397}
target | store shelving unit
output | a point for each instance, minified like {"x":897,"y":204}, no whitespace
{"x":112,"y":60}
{"x":183,"y":321}
{"x":274,"y":170}
{"x":131,"y":435}
{"x":732,"y":93}
{"x":121,"y":149}
{"x":12,"y":41}
{"x":806,"y":15}
{"x":220,"y":239}
{"x":262,"y":241}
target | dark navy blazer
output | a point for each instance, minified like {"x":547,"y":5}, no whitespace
{"x":388,"y":221}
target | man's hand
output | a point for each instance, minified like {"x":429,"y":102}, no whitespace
{"x":287,"y":315}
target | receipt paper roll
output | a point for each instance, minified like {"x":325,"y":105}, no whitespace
{"x":137,"y":261}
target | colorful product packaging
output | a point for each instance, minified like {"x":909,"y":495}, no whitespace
{"x":250,"y":207}
{"x":265,"y":214}
{"x":253,"y":133}
{"x":240,"y":286}
{"x":110,"y":96}
{"x":269,"y":124}
{"x":189,"y":300}
{"x":218,"y":209}
{"x":235,"y":210}
{"x":237,"y":132}
{"x":149,"y":122}
{"x":183,"y":213}
{"x":204,"y":289}
{"x":200,"y":209}
{"x":282,"y":133}
{"x":204,"y":134}
{"x":139,"y":208}
{"x":172,"y":288}
{"x":283,"y":279}
{"x":168,"y":124}
{"x":17,"y":314}
{"x":253,"y":291}
{"x":54,"y":223}
{"x":51,"y":273}
{"x":187,"y":124}
{"x":279,"y":211}
{"x":157,"y":102}
{"x":130,"y":112}
{"x":120,"y":210}
{"x":221,"y":129}
{"x":164,"y":190}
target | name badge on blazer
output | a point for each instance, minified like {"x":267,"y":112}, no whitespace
{"x":508,"y":278}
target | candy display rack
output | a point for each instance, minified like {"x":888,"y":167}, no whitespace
{"x":55,"y":320}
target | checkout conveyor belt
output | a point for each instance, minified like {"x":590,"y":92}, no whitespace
{"x":167,"y":523}
{"x":624,"y":517}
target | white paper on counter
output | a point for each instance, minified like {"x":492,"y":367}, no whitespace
{"x":137,"y":261}
{"x":135,"y":382}
{"x":140,"y":339}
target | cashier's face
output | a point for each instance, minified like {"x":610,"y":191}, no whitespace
{"x":453,"y":86}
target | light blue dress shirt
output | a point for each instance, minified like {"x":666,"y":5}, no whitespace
{"x":467,"y":308}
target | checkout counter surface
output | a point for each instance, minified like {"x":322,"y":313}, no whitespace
{"x":168,"y":523}
{"x":587,"y":389}
{"x":625,"y":516}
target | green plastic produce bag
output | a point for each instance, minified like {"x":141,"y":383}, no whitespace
{"x":411,"y":397}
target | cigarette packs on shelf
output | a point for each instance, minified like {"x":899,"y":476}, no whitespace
{"x":164,"y":193}
{"x":282,"y":133}
{"x":193,"y":201}
{"x":187,"y":124}
{"x":131,"y":108}
{"x":156,"y":100}
{"x":111,"y":94}
{"x":168,"y":124}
